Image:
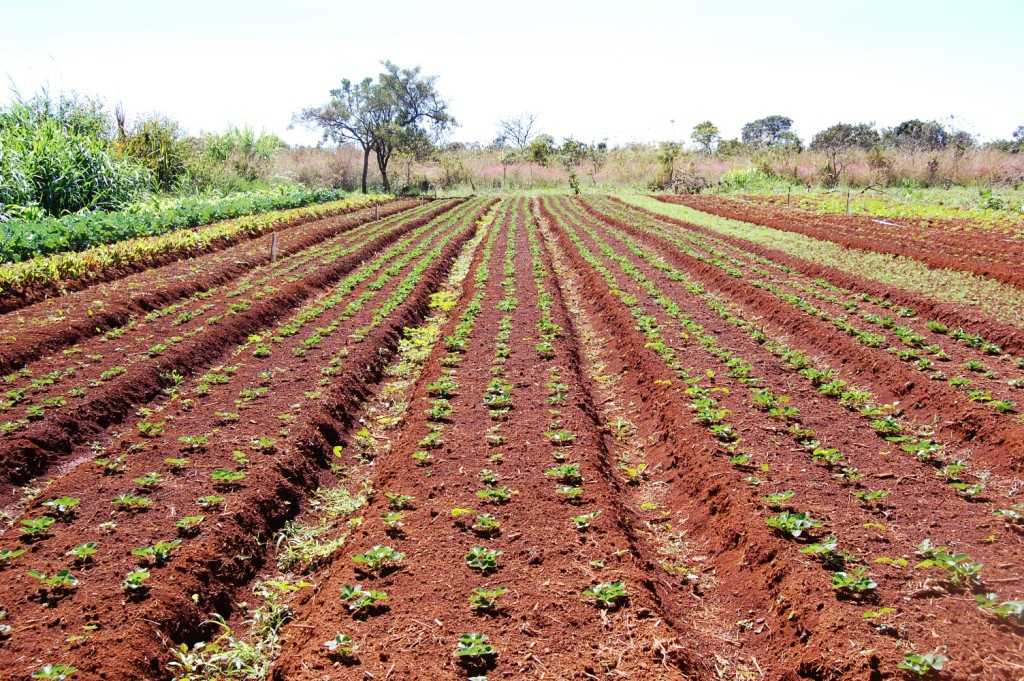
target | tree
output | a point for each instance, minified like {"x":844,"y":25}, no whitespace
{"x":706,"y":135}
{"x":770,"y":131}
{"x":347,"y":117}
{"x":518,"y":130}
{"x":597,"y":156}
{"x":668,"y":152}
{"x":571,"y":154}
{"x":407,"y":110}
{"x":834,"y":141}
{"x":398,"y":111}
{"x":540,"y":150}
{"x":918,"y":135}
{"x":1018,"y":134}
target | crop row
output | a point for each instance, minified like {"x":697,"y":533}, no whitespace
{"x":850,"y":575}
{"x":70,"y":374}
{"x":20,"y":282}
{"x":25,"y":239}
{"x":220,"y":446}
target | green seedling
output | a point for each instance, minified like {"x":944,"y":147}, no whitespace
{"x":58,"y":584}
{"x":855,"y":582}
{"x":607,"y":595}
{"x":157,"y":554}
{"x":482,"y":559}
{"x":568,"y":473}
{"x":34,"y":528}
{"x":792,"y":523}
{"x":225,"y":478}
{"x":379,"y":559}
{"x":360,"y":601}
{"x":189,"y":525}
{"x":210,"y":501}
{"x":486,"y":525}
{"x":495,"y":495}
{"x":560,"y":437}
{"x":571,"y":493}
{"x":1012,"y":611}
{"x":474,"y":650}
{"x":62,"y":507}
{"x":55,"y":672}
{"x":777,"y":500}
{"x":148,"y":481}
{"x":177,"y":464}
{"x":83,"y":553}
{"x":923,"y":664}
{"x":399,"y":502}
{"x":582,"y":522}
{"x":960,"y":570}
{"x":341,"y":646}
{"x":135,"y":581}
{"x":7,"y":555}
{"x":485,"y":600}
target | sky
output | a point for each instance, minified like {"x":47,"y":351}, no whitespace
{"x":616,"y":71}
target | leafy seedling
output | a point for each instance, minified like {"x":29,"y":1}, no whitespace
{"x":157,"y":554}
{"x":35,"y":528}
{"x":399,"y":502}
{"x":379,"y":559}
{"x":778,"y":500}
{"x":1012,"y":611}
{"x":486,"y":525}
{"x":582,"y":522}
{"x":474,"y":652}
{"x":482,"y":559}
{"x":923,"y":664}
{"x":855,"y":582}
{"x":567,"y":473}
{"x":341,"y":647}
{"x":225,"y":478}
{"x":607,"y":595}
{"x":189,"y":525}
{"x":83,"y":553}
{"x":361,"y":601}
{"x":485,"y":600}
{"x":62,"y":507}
{"x":792,"y":523}
{"x":55,"y":672}
{"x":135,"y":582}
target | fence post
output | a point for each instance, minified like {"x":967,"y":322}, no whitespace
{"x":789,"y":190}
{"x":376,"y":211}
{"x":273,"y":247}
{"x":847,"y":201}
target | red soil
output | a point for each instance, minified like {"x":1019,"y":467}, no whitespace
{"x":988,"y":255}
{"x":713,"y":591}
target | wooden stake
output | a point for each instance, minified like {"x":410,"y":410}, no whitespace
{"x":847,"y":201}
{"x":376,"y":211}
{"x":789,"y":190}
{"x":273,"y":247}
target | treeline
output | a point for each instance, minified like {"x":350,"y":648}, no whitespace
{"x":62,"y":154}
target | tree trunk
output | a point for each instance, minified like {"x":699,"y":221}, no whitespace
{"x":382,"y":164}
{"x":366,"y":166}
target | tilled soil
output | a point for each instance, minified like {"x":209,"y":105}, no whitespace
{"x":569,"y":430}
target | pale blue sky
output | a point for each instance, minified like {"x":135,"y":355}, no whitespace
{"x":622,"y":71}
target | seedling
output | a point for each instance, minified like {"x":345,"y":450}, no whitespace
{"x":855,"y":582}
{"x":923,"y":664}
{"x":560,"y":437}
{"x":1013,"y":515}
{"x":571,"y":493}
{"x":360,"y":600}
{"x":421,"y":457}
{"x":582,"y":522}
{"x":568,"y":473}
{"x":827,"y":455}
{"x":488,"y":477}
{"x":871,"y":497}
{"x":393,"y":522}
{"x":189,"y":525}
{"x":495,"y":495}
{"x":55,"y":672}
{"x":473,"y":650}
{"x":958,"y":566}
{"x":150,"y":429}
{"x":607,"y":595}
{"x":265,"y":445}
{"x":7,"y":555}
{"x":486,"y":525}
{"x":485,"y":600}
{"x":379,"y":559}
{"x":341,"y":646}
{"x":792,"y":524}
{"x":35,"y":528}
{"x":399,"y":502}
{"x":110,"y":466}
{"x":445,"y":386}
{"x":135,"y":581}
{"x":225,"y":478}
{"x":634,"y":473}
{"x":777,"y":500}
{"x":83,"y":553}
{"x":56,"y":585}
{"x":177,"y":464}
{"x":157,"y":554}
{"x":827,"y":552}
{"x":482,"y":559}
{"x":194,"y":442}
{"x":62,"y":507}
{"x":210,"y":501}
{"x":440,"y":410}
{"x":1007,"y":610}
{"x":147,"y":481}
